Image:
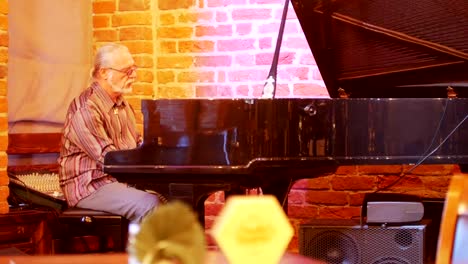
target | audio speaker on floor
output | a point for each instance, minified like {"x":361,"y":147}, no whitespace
{"x":346,"y":241}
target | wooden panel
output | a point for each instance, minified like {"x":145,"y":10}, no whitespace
{"x":26,"y":230}
{"x":30,"y":143}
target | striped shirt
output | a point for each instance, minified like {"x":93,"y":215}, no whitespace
{"x":94,"y":125}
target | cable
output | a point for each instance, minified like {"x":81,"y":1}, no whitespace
{"x":426,"y":156}
{"x":269,"y":89}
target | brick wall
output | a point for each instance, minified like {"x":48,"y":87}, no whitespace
{"x":4,"y":191}
{"x":219,"y":48}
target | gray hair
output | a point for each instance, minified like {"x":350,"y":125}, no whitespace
{"x":104,"y":57}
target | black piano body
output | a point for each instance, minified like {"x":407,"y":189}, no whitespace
{"x":397,"y":75}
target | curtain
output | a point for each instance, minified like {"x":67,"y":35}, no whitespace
{"x":49,"y":59}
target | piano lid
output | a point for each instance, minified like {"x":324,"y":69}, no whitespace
{"x":388,"y":48}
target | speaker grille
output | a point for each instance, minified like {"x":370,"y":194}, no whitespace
{"x":338,"y":243}
{"x":334,"y":247}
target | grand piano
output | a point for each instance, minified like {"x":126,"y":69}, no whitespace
{"x":397,"y":75}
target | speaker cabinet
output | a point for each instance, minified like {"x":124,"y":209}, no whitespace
{"x":345,"y":241}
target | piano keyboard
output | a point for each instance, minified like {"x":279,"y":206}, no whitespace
{"x":41,"y":188}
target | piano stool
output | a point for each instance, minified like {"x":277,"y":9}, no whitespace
{"x":85,"y":231}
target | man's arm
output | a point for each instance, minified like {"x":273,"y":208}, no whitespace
{"x":88,"y":132}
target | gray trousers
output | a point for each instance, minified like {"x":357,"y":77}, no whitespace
{"x":118,"y":198}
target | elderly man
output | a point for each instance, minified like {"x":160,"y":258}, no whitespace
{"x":100,"y":120}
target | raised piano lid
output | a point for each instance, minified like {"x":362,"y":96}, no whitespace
{"x":388,"y":48}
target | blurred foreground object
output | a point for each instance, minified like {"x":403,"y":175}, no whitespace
{"x":454,"y":226}
{"x":170,"y":234}
{"x":253,"y":229}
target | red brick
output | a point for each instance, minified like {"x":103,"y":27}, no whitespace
{"x":296,"y":197}
{"x":4,"y":207}
{"x":212,"y":61}
{"x":4,"y":7}
{"x":136,"y":33}
{"x":167,"y":46}
{"x":142,"y":89}
{"x":4,"y":39}
{"x":3,"y":123}
{"x":282,"y":91}
{"x":356,"y":199}
{"x":206,"y":91}
{"x":267,"y":58}
{"x":4,"y":179}
{"x":3,"y":22}
{"x":179,"y":62}
{"x":139,"y":46}
{"x":379,"y":169}
{"x":106,"y":35}
{"x":316,"y":75}
{"x":3,"y":71}
{"x":339,"y":212}
{"x":257,"y":89}
{"x":251,"y":14}
{"x":236,"y":44}
{"x":244,"y":59}
{"x":243,"y":29}
{"x":346,"y":170}
{"x":265,"y":43}
{"x":225,"y":91}
{"x":3,"y":87}
{"x":196,"y":46}
{"x":213,"y":209}
{"x":175,"y":4}
{"x":436,"y":183}
{"x":433,"y":169}
{"x":310,"y":89}
{"x":327,"y":197}
{"x":135,"y":102}
{"x":196,"y":77}
{"x":224,"y":3}
{"x":278,"y":14}
{"x":305,"y":211}
{"x":407,"y":181}
{"x":4,"y":192}
{"x":134,"y":5}
{"x":131,"y":19}
{"x":101,"y":21}
{"x":221,"y":16}
{"x":175,"y":32}
{"x":295,"y":43}
{"x":319,"y":183}
{"x":166,"y":77}
{"x":100,"y":7}
{"x":144,"y":60}
{"x":242,"y":90}
{"x":166,"y":19}
{"x":340,"y":183}
{"x":3,"y":104}
{"x":220,"y":31}
{"x":247,"y":75}
{"x":290,"y":28}
{"x":308,"y":59}
{"x":194,"y":18}
{"x":178,"y":91}
{"x":3,"y":143}
{"x":145,"y":75}
{"x":294,"y":74}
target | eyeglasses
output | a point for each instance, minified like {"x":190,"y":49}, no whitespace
{"x":127,"y":71}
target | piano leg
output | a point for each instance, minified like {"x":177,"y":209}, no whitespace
{"x":193,"y":194}
{"x":280,"y":189}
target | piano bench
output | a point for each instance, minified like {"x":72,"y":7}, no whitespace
{"x":85,"y":231}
